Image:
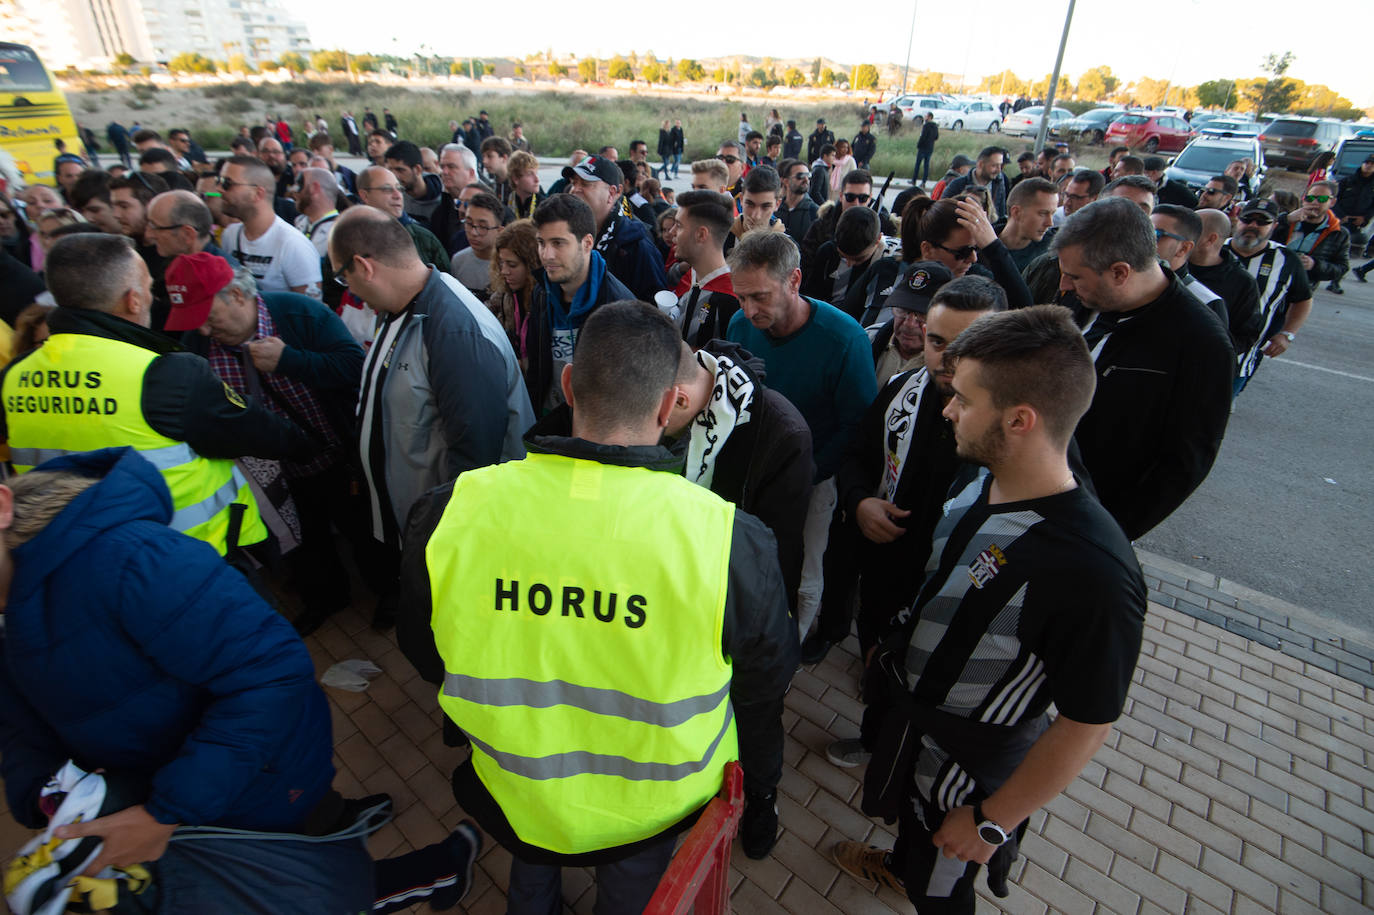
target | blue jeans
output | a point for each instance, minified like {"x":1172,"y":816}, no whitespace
{"x":677,"y":160}
{"x":922,"y":156}
{"x":622,"y":887}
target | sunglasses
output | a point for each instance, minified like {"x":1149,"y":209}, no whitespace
{"x":1160,"y":233}
{"x":228,"y":184}
{"x":728,"y":160}
{"x":963,"y":253}
{"x":1213,"y":190}
{"x":856,"y":198}
{"x":1257,"y":220}
{"x":1317,"y":198}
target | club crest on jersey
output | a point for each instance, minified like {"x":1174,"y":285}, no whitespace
{"x":985,"y":567}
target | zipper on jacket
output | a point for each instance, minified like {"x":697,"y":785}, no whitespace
{"x":1128,"y":368}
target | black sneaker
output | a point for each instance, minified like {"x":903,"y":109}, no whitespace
{"x":1335,"y":286}
{"x":814,"y":649}
{"x":758,"y":828}
{"x":1361,"y":271}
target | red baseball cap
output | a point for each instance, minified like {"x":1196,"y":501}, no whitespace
{"x":193,"y":281}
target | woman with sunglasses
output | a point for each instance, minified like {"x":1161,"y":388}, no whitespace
{"x":956,"y":232}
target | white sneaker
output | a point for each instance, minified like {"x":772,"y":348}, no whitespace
{"x":848,"y":753}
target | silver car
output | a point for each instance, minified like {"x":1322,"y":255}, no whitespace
{"x":1206,"y":157}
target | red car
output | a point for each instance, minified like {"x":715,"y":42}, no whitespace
{"x":1150,"y":132}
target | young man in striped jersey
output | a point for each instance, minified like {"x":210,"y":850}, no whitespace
{"x":1033,"y":596}
{"x":1284,"y":292}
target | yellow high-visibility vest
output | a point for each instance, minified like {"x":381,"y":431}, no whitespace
{"x":79,"y":392}
{"x":578,"y":607}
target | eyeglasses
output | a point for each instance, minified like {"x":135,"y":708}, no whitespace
{"x":1160,"y":233}
{"x":802,"y":176}
{"x":1213,"y":190}
{"x":158,"y":228}
{"x":339,"y":274}
{"x":728,"y":160}
{"x":384,"y":188}
{"x":857,"y":198}
{"x":1077,"y":196}
{"x":477,"y":226}
{"x":1257,"y":220}
{"x":1317,"y":198}
{"x":963,"y":253}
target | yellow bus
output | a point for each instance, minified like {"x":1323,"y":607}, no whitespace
{"x":33,"y":114}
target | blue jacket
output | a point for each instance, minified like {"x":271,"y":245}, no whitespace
{"x":131,"y":647}
{"x":633,"y":258}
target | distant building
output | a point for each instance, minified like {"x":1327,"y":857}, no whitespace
{"x":90,"y":33}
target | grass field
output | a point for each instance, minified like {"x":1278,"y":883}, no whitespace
{"x":556,"y":122}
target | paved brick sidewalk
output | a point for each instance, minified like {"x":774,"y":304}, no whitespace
{"x":1237,"y":781}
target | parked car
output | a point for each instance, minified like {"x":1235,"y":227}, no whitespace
{"x":1293,"y":142}
{"x":916,"y":106}
{"x":1206,"y":157}
{"x":1089,"y":127}
{"x":1150,"y":132}
{"x":969,"y":116}
{"x":1228,"y":127}
{"x":1027,"y":120}
{"x":1350,"y":152}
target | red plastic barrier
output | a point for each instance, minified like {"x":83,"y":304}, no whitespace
{"x":698,"y":879}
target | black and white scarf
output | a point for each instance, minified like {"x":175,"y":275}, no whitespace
{"x":732,"y":394}
{"x":899,"y":426}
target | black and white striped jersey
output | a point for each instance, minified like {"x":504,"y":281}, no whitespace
{"x":1281,"y":280}
{"x":1026,"y":603}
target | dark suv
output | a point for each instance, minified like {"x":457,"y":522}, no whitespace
{"x":1294,"y":142}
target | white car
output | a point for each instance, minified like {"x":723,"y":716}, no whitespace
{"x":969,"y":116}
{"x":1026,"y":122}
{"x":916,"y":106}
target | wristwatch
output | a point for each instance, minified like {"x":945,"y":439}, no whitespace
{"x":1289,"y":334}
{"x":988,"y":831}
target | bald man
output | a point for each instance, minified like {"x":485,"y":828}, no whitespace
{"x":179,"y":222}
{"x":1214,"y":264}
{"x":379,"y":189}
{"x":272,"y":154}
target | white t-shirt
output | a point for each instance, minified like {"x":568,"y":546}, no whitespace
{"x":279,"y":259}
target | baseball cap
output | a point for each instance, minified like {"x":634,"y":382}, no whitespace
{"x":193,"y":281}
{"x":595,"y":168}
{"x":960,"y":160}
{"x":1267,"y":207}
{"x":917,"y":286}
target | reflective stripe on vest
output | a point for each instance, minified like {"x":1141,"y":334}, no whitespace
{"x":582,"y":645}
{"x":79,"y":392}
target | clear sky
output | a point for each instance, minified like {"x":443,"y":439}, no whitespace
{"x":1185,"y":41}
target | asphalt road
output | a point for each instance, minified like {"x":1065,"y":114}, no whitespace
{"x":1288,"y":508}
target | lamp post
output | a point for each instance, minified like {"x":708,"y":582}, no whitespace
{"x":1054,"y":82}
{"x":911,"y":35}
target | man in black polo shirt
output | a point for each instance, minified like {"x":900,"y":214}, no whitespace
{"x":1033,"y":596}
{"x":1164,"y":366}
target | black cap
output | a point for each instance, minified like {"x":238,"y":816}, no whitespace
{"x":1266,"y":206}
{"x":595,"y":168}
{"x":820,"y":120}
{"x":917,"y":286}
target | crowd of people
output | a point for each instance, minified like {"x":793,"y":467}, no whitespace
{"x":702,"y":437}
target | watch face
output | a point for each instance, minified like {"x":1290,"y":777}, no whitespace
{"x":991,"y":834}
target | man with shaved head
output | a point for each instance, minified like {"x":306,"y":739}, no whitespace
{"x":317,"y":193}
{"x":272,"y":154}
{"x":1214,"y":264}
{"x":280,"y":258}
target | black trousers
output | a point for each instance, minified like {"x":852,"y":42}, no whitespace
{"x":325,"y":502}
{"x":623,"y":887}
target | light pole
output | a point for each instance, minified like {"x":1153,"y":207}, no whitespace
{"x":1054,"y":82}
{"x":911,"y":35}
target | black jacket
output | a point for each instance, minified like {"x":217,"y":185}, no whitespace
{"x":1164,"y":383}
{"x":632,"y":257}
{"x":868,"y":283}
{"x":1330,"y":253}
{"x":665,"y":143}
{"x":758,"y":635}
{"x":863,"y":147}
{"x":678,"y":143}
{"x":185,"y":400}
{"x":1355,"y":197}
{"x":995,"y":263}
{"x":446,"y":222}
{"x":815,"y":141}
{"x":929,"y":134}
{"x":1176,"y":192}
{"x":1237,"y":289}
{"x":797,"y":220}
{"x":18,"y":287}
{"x":792,"y":144}
{"x":823,"y":230}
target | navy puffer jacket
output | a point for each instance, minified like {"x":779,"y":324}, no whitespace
{"x":134,"y":648}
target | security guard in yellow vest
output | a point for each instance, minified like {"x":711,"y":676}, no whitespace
{"x":606,"y":633}
{"x":104,"y":379}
